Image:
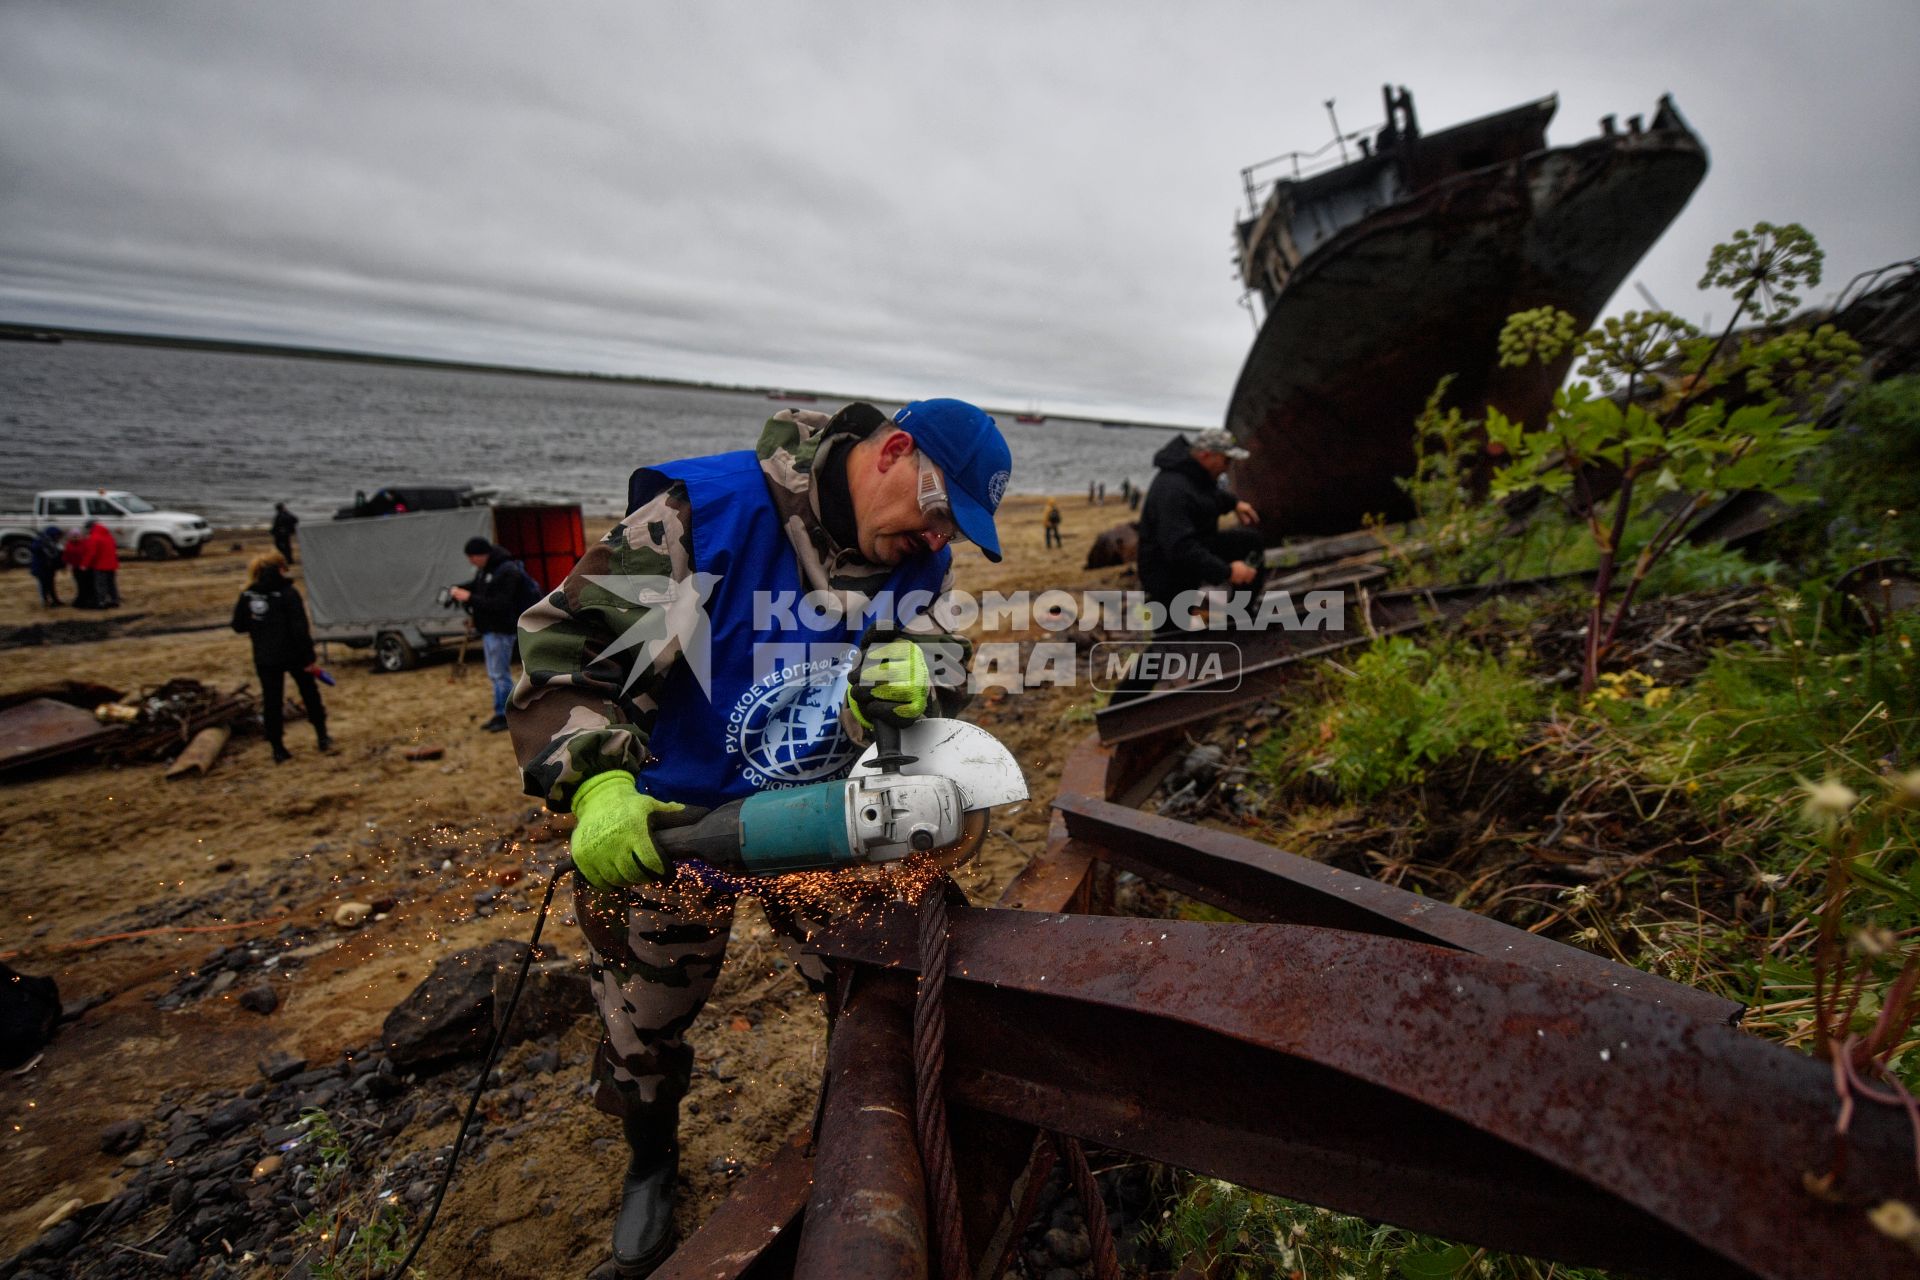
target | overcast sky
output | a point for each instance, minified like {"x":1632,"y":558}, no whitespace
{"x":1025,"y":203}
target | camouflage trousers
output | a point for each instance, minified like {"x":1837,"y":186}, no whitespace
{"x":654,"y":956}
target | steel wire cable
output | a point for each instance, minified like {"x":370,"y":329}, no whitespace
{"x":1106,"y":1263}
{"x":929,"y":1071}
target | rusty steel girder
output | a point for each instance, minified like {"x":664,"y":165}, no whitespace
{"x":1261,"y":883}
{"x":1444,"y":1091}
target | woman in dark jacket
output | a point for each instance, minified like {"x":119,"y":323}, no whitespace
{"x":271,"y":613}
{"x":47,"y":559}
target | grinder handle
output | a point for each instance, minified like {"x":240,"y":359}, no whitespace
{"x":711,"y":835}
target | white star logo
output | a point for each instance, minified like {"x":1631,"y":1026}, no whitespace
{"x":672,"y":622}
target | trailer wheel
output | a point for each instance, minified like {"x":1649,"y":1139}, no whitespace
{"x":391,"y":652}
{"x":156,"y":546}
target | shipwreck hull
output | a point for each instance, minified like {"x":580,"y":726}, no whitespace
{"x":1369,"y":321}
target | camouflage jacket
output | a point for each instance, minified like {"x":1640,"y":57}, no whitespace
{"x":582,"y":708}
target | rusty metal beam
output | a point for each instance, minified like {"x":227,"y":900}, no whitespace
{"x":1270,"y":658}
{"x":1261,"y":883}
{"x":751,"y":1235}
{"x":867,"y":1215}
{"x":1444,"y":1091}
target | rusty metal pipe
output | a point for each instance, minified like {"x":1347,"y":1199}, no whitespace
{"x":867,"y":1216}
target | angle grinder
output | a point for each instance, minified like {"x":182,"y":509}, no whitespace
{"x":923,"y":789}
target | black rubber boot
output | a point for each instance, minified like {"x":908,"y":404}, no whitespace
{"x":643,"y":1231}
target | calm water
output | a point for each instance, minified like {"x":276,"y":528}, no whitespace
{"x":228,"y":435}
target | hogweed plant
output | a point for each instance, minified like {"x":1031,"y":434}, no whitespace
{"x":1679,"y":420}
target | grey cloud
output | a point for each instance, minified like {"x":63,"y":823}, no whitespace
{"x":1019,"y":202}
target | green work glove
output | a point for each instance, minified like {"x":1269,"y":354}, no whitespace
{"x":892,"y":684}
{"x":613,"y":844}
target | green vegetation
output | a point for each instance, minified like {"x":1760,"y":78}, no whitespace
{"x":1798,"y":757}
{"x":1402,"y":709}
{"x":1868,"y":478}
{"x":359,"y":1237}
{"x":1733,"y":415}
{"x":1220,"y":1230}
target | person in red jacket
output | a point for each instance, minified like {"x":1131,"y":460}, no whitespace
{"x":75,"y":555}
{"x":103,"y":557}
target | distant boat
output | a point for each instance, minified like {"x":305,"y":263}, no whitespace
{"x":799,"y":397}
{"x":1399,"y":266}
{"x":1029,"y":417}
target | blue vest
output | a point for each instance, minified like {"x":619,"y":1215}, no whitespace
{"x":770,"y":716}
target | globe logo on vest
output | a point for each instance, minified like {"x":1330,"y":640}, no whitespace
{"x":786,"y":727}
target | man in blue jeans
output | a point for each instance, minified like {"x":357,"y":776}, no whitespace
{"x":499,"y":593}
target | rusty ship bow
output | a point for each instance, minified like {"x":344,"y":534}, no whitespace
{"x":1397,"y":268}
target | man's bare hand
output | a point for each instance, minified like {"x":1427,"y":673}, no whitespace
{"x":460,"y":593}
{"x":1248,"y":516}
{"x":1241,"y":573}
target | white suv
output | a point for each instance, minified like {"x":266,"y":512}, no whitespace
{"x":137,"y":527}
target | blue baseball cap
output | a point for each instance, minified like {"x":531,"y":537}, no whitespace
{"x":971,"y":453}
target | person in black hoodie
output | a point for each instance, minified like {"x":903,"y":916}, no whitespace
{"x":1182,"y":546}
{"x":271,"y":614}
{"x":496,"y":597}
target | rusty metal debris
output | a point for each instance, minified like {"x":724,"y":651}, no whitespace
{"x":200,"y":754}
{"x":1445,"y":1091}
{"x":1261,"y":883}
{"x":43,"y":729}
{"x":168,"y":716}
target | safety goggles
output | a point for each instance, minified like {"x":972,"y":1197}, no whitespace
{"x":934,"y":504}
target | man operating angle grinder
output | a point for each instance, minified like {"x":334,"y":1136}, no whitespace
{"x":677,"y":674}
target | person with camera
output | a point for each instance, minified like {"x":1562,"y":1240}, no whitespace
{"x":496,"y":596}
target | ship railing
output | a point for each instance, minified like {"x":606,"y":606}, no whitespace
{"x":1302,"y":164}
